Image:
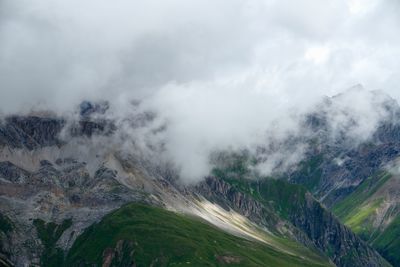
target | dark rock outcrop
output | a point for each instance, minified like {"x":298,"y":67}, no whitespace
{"x":30,"y":132}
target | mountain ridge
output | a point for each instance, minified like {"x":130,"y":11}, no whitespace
{"x":47,"y":180}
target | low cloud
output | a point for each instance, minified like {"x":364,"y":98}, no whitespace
{"x":222,"y":74}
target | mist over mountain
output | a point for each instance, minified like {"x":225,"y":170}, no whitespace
{"x":215,"y":87}
{"x":62,"y":174}
{"x":205,"y":133}
{"x":187,"y":138}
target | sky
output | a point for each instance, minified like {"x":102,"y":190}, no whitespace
{"x":222,"y":73}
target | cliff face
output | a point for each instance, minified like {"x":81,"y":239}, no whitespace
{"x":30,"y":132}
{"x":275,"y":204}
{"x":337,"y":161}
{"x":336,"y":240}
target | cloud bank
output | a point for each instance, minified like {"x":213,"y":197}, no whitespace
{"x":222,"y":74}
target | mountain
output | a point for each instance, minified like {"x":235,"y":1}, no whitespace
{"x":71,"y":197}
{"x":358,"y":183}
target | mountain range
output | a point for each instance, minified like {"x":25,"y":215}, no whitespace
{"x":73,"y":196}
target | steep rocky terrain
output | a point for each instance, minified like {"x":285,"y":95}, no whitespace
{"x":359,"y":183}
{"x":292,"y":210}
{"x":59,"y":178}
{"x":337,"y":162}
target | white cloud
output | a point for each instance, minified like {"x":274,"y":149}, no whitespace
{"x":361,"y":7}
{"x":221,"y":72}
{"x":317,"y":54}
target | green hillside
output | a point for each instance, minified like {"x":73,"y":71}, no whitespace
{"x":388,"y":242}
{"x":150,"y":236}
{"x":373,"y":212}
{"x":358,"y":208}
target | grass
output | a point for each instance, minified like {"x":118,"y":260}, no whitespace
{"x":153,"y":236}
{"x":388,"y":243}
{"x":358,"y":211}
{"x":351,"y":205}
{"x":360,"y":221}
{"x":283,"y":196}
{"x":49,"y":233}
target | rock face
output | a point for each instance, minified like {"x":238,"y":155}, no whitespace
{"x":338,"y":173}
{"x":33,"y":132}
{"x":342,"y":151}
{"x":30,"y":132}
{"x":332,"y":169}
{"x":332,"y":237}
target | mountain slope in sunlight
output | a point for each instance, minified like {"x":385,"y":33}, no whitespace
{"x":139,"y":235}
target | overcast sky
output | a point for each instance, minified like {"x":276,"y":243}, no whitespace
{"x":231,"y":66}
{"x":59,"y":51}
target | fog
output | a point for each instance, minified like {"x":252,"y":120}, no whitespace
{"x":221,"y":74}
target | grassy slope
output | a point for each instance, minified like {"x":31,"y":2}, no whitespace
{"x":358,"y":210}
{"x":351,"y":204}
{"x":388,"y":243}
{"x":281,"y":195}
{"x":49,"y":233}
{"x":165,"y":238}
